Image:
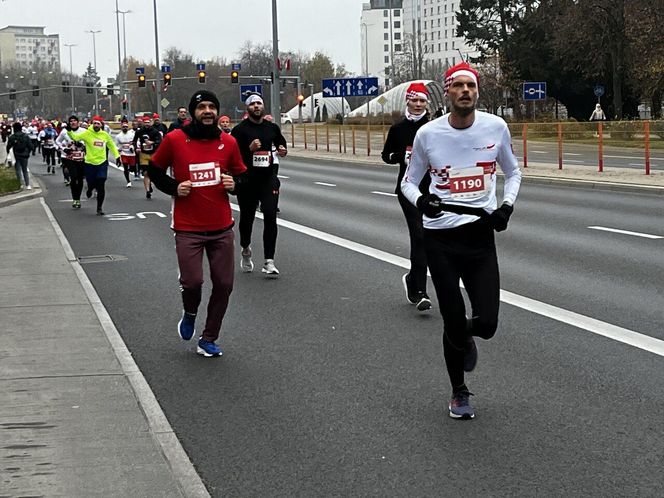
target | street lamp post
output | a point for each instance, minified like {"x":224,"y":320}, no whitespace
{"x":276,"y":87}
{"x":366,"y":48}
{"x":71,"y":75}
{"x":156,"y":58}
{"x":124,"y":60}
{"x":94,"y":55}
{"x":312,"y":110}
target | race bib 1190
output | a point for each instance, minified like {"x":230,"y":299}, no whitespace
{"x":467,"y":183}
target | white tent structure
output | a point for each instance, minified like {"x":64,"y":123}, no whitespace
{"x":394,"y":100}
{"x":324,"y":108}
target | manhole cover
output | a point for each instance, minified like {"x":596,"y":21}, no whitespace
{"x":102,"y":258}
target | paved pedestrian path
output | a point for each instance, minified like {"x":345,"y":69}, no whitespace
{"x":77,"y":418}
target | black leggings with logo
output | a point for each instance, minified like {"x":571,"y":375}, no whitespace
{"x":265,"y":191}
{"x":466,"y":253}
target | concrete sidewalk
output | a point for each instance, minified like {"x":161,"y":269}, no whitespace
{"x":538,"y":171}
{"x":77,"y":418}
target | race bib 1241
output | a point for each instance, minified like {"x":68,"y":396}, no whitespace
{"x":204,"y":174}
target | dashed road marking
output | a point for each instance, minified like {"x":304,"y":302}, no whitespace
{"x":627,"y":232}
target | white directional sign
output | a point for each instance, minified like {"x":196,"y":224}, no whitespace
{"x":350,"y":87}
{"x":534,"y":90}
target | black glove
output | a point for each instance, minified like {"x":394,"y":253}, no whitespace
{"x":500,"y":217}
{"x":430,"y":205}
{"x":398,"y":157}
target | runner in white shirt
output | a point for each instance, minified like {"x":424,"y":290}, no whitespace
{"x":460,"y":151}
{"x":125,"y":142}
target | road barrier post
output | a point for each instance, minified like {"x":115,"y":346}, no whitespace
{"x":646,"y":132}
{"x":292,"y":127}
{"x":315,"y":137}
{"x":600,"y":166}
{"x":339,"y":139}
{"x":304,"y":130}
{"x":368,"y":141}
{"x":343,"y":129}
{"x":352,"y":129}
{"x":524,"y":134}
{"x":560,"y":146}
{"x":327,"y":136}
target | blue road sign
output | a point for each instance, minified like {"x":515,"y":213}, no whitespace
{"x":534,"y":90}
{"x":165,"y":69}
{"x":599,"y":90}
{"x":140,"y":70}
{"x":200,"y":67}
{"x":236,"y":66}
{"x":350,"y":87}
{"x":246,"y":90}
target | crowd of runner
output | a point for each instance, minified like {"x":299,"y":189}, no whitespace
{"x":446,"y":188}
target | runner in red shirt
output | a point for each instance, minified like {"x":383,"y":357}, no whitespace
{"x":204,"y":162}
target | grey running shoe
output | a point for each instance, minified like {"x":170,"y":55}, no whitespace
{"x":423,"y":302}
{"x":269,"y":269}
{"x":246,"y":264}
{"x":460,"y":406}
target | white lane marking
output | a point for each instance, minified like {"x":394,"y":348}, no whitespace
{"x":282,"y":176}
{"x":598,"y":327}
{"x":383,"y":193}
{"x":623,"y":157}
{"x":540,"y":152}
{"x":573,"y":161}
{"x":627,"y":232}
{"x":570,"y":154}
{"x":184,"y":471}
{"x":325,"y":184}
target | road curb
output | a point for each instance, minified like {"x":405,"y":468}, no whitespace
{"x":529,"y":178}
{"x":23,"y":195}
{"x":184,"y":473}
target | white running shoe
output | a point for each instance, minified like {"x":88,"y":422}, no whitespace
{"x":128,"y":184}
{"x":246,"y":264}
{"x":269,"y":269}
{"x":29,"y":187}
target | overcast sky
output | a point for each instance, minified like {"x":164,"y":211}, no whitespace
{"x":204,"y":28}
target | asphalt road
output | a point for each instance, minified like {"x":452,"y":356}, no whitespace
{"x":331,"y":385}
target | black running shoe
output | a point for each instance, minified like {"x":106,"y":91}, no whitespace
{"x":100,"y":212}
{"x":148,"y":195}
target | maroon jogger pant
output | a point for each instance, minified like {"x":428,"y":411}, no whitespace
{"x":219,"y":248}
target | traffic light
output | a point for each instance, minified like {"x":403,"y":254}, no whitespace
{"x":65,"y":87}
{"x":88,"y":88}
{"x":12,"y":94}
{"x":141,"y":81}
{"x":235,"y":77}
{"x":168,"y":79}
{"x":35,"y":91}
{"x":300,"y":100}
{"x":125,"y":105}
{"x":109,"y":89}
{"x":201,"y":76}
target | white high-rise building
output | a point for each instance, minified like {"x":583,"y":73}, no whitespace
{"x":28,"y":46}
{"x":434,"y":21}
{"x":381,"y":37}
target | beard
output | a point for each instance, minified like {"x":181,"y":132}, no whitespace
{"x":463,"y":111}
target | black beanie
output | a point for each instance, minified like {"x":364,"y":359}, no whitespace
{"x":202,"y":96}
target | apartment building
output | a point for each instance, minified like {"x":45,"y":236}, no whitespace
{"x":381,"y":37}
{"x":29,"y":47}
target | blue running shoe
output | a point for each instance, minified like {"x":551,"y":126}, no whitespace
{"x":208,"y":349}
{"x":186,"y":324}
{"x":460,"y":406}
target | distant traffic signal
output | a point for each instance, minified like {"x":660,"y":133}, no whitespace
{"x":109,"y":89}
{"x":300,"y":100}
{"x":88,"y":88}
{"x":168,"y":79}
{"x":201,"y":76}
{"x":141,"y":81}
{"x":12,"y":94}
{"x":65,"y":87}
{"x":235,"y":77}
{"x":35,"y":91}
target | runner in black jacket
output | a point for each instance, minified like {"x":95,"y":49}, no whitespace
{"x":256,"y":137}
{"x":146,"y":141}
{"x":397,"y":150}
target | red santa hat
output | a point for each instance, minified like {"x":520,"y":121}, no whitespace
{"x":97,"y":118}
{"x":417,"y":90}
{"x":461,"y":69}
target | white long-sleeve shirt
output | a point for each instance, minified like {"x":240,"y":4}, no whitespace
{"x":125,"y":143}
{"x":442,"y":151}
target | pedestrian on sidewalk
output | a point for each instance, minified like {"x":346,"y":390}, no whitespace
{"x":96,"y":142}
{"x":21,"y":146}
{"x":460,"y":151}
{"x":397,"y":150}
{"x":204,"y":161}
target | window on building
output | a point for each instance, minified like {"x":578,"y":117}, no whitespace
{"x":453,"y":47}
{"x":454,"y":61}
{"x":425,"y":37}
{"x":397,"y":36}
{"x":387,"y":70}
{"x":387,"y":83}
{"x":438,"y":11}
{"x":397,"y":13}
{"x":386,"y":48}
{"x":386,"y":36}
{"x":446,"y":21}
{"x":445,"y":45}
{"x":445,"y":7}
{"x":397,"y":24}
{"x":439,"y":22}
{"x":445,"y":33}
{"x":386,"y":13}
{"x":387,"y":59}
{"x":425,"y":25}
{"x":397,"y":47}
{"x":439,"y":47}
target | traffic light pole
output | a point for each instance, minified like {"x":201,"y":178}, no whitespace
{"x":276,"y":87}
